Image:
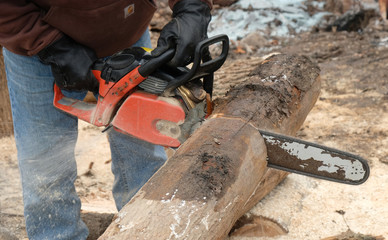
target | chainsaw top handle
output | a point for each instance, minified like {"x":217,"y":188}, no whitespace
{"x":155,"y":63}
{"x":199,"y":68}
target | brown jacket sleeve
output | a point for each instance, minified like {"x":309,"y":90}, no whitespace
{"x":171,"y":3}
{"x":22,"y":30}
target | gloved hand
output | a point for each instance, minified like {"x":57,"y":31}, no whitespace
{"x":187,"y":28}
{"x":71,"y":64}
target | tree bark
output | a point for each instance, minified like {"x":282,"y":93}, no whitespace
{"x":220,"y":172}
{"x":383,"y":8}
{"x":6,"y":126}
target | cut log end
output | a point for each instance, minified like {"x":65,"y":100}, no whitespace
{"x":257,"y":226}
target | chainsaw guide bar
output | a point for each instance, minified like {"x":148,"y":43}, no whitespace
{"x":310,"y":159}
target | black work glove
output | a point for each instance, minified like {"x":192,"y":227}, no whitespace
{"x":71,"y":64}
{"x":187,"y":28}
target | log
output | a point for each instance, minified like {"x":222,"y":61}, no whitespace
{"x":277,"y":97}
{"x":6,"y":125}
{"x":220,"y":172}
{"x":383,"y":9}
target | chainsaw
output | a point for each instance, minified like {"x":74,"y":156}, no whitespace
{"x":142,"y":96}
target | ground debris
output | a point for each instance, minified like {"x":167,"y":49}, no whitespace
{"x":352,"y":21}
{"x":224,"y":3}
{"x":350,"y":235}
{"x":384,"y":159}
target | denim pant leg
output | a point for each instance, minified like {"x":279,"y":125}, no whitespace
{"x":45,"y":139}
{"x":133,"y":161}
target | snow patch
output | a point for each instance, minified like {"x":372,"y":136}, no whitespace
{"x":274,"y":18}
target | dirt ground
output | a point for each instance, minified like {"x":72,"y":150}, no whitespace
{"x":351,"y":114}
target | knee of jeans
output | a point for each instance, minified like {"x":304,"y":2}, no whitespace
{"x":47,"y":169}
{"x":47,"y":143}
{"x":53,"y":189}
{"x":38,"y":175}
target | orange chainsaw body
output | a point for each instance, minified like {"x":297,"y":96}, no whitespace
{"x":137,"y":115}
{"x":121,"y":104}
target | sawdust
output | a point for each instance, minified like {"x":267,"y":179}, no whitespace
{"x":350,"y":235}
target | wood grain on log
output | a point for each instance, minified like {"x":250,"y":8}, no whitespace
{"x":383,"y":8}
{"x":276,"y":97}
{"x":6,"y":125}
{"x":199,"y":196}
{"x":220,"y":172}
{"x":257,"y":226}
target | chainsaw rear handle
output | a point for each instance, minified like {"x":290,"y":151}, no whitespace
{"x":199,"y":69}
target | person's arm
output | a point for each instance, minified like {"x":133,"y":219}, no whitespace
{"x":22,"y":30}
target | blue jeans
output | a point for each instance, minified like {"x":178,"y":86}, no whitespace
{"x":45,"y":140}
